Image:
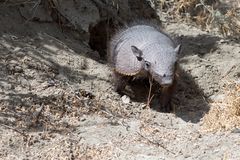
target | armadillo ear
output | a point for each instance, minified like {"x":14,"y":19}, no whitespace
{"x":178,"y":49}
{"x":137,"y":52}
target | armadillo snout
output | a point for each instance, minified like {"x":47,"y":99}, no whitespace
{"x":164,"y":81}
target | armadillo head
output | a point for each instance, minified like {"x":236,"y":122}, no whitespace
{"x":160,"y":63}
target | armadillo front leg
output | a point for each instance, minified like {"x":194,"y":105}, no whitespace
{"x":120,"y":82}
{"x":165,"y":99}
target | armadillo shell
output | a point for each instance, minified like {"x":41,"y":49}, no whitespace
{"x":127,"y":64}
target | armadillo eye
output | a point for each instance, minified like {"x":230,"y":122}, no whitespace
{"x":147,"y":64}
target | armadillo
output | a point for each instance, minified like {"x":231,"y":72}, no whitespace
{"x":144,"y":49}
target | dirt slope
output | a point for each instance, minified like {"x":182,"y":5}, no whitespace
{"x":57,"y":99}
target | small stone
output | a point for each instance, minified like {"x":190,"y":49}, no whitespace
{"x":51,"y":83}
{"x":236,"y":130}
{"x":5,"y":85}
{"x":24,"y":82}
{"x":218,"y":97}
{"x":222,"y":41}
{"x":20,"y":54}
{"x":17,"y":49}
{"x":13,"y":62}
{"x":125,"y":99}
{"x":18,"y":69}
{"x":237,"y":74}
{"x":83,"y":119}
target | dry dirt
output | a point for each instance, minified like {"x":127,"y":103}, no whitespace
{"x":57,"y":99}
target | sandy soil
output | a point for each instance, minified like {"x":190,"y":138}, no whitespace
{"x":57,"y":99}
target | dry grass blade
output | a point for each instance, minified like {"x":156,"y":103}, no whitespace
{"x":150,"y":91}
{"x":208,"y":14}
{"x":14,"y":129}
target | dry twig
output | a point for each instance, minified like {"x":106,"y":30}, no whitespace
{"x":155,"y":143}
{"x":150,"y":90}
{"x":14,"y":129}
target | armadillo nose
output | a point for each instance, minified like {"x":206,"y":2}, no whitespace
{"x":166,"y":83}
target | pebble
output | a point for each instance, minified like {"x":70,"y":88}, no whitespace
{"x":125,"y":99}
{"x":18,"y":69}
{"x":218,"y":97}
{"x":236,"y":130}
{"x":20,"y":54}
{"x":17,"y":49}
{"x":5,"y":85}
{"x":24,"y":82}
